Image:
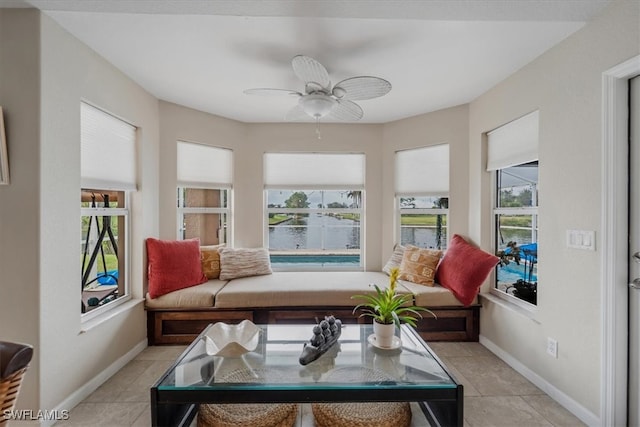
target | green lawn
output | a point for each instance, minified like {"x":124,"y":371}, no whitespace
{"x":354,"y":217}
{"x":515,"y":221}
{"x":278,"y":218}
{"x":111,"y":260}
{"x":426,"y":220}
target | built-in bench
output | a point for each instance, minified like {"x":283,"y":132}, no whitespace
{"x":298,"y":297}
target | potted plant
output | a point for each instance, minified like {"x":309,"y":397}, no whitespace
{"x":525,"y":288}
{"x":388,"y":309}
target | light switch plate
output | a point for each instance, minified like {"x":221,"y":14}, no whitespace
{"x":581,"y":239}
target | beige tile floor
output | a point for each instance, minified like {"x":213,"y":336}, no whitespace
{"x":494,"y":394}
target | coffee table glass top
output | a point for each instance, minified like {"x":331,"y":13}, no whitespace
{"x":352,"y":363}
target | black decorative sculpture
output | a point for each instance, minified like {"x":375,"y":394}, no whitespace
{"x":325,"y":335}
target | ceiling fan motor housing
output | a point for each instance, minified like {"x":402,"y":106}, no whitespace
{"x":317,"y":105}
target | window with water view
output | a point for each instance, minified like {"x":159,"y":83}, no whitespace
{"x":314,"y":229}
{"x":423,"y":221}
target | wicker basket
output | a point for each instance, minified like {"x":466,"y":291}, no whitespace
{"x":9,"y":388}
{"x":247,"y":415}
{"x":250,"y":414}
{"x":367,"y":414}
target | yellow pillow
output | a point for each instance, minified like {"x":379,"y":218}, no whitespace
{"x":210,"y":260}
{"x":419,"y":265}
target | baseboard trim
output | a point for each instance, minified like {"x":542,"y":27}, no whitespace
{"x":83,"y":392}
{"x":586,"y":416}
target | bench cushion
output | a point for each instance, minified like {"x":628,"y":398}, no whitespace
{"x":433,"y":296}
{"x":303,"y":289}
{"x":193,"y":297}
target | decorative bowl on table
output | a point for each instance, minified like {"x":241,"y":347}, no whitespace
{"x":226,"y":340}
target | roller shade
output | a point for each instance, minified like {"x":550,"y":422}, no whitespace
{"x":422,"y":171}
{"x":202,"y":165}
{"x":513,"y":144}
{"x":314,"y":170}
{"x":107,"y":151}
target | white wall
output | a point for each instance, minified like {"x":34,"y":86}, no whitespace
{"x":52,"y":72}
{"x":71,"y":72}
{"x":19,"y":202}
{"x":565,"y":85}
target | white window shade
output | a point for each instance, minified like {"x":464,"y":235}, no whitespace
{"x":513,"y":144}
{"x":423,"y":171}
{"x":314,"y":170}
{"x":107,"y":151}
{"x":202,"y":165}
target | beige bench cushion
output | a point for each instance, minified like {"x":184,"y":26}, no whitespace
{"x":291,"y":289}
{"x":193,"y":297}
{"x":432,"y":296}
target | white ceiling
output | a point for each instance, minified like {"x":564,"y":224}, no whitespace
{"x":203,"y":54}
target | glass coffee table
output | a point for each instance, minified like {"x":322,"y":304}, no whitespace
{"x":353,"y":370}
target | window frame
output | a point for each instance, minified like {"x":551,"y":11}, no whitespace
{"x":525,"y":210}
{"x":418,"y":211}
{"x":310,"y":211}
{"x":182,"y":210}
{"x":125,"y":212}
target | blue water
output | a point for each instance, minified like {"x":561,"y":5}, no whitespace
{"x":512,"y":272}
{"x":313,"y":260}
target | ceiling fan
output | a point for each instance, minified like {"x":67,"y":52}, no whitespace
{"x":320,"y":99}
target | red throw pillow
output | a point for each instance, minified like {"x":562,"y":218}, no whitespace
{"x":463,"y":269}
{"x":173,"y":265}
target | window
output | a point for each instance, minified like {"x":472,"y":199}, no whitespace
{"x":314,"y":216}
{"x":108,"y":175}
{"x":513,"y":152}
{"x":204,"y":185}
{"x":422,"y":196}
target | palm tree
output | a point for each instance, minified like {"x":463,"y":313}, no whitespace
{"x":357,"y":198}
{"x":440,"y":203}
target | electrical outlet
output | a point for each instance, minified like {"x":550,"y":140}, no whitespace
{"x":552,"y":348}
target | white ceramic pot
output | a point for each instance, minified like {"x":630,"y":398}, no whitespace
{"x":384,"y":333}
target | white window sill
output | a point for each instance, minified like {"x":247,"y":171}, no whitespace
{"x":104,"y":316}
{"x":512,"y":304}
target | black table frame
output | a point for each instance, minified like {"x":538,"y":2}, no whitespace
{"x":441,"y":406}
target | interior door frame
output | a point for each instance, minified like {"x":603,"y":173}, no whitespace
{"x":614,"y":241}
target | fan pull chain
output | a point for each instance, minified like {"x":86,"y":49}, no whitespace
{"x":318,"y":128}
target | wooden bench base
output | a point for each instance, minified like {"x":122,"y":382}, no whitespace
{"x":183,"y":326}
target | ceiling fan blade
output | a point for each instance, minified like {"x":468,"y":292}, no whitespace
{"x":271,"y":92}
{"x":362,"y":87}
{"x":346,"y":110}
{"x":297,"y":114}
{"x":309,"y":70}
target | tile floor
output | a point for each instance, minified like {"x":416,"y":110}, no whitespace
{"x":494,"y":394}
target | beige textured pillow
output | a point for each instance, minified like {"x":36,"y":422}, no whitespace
{"x":419,"y":265}
{"x":210,"y":259}
{"x":395,"y":259}
{"x":239,"y":262}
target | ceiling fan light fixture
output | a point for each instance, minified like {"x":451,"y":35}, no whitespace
{"x":317,"y":105}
